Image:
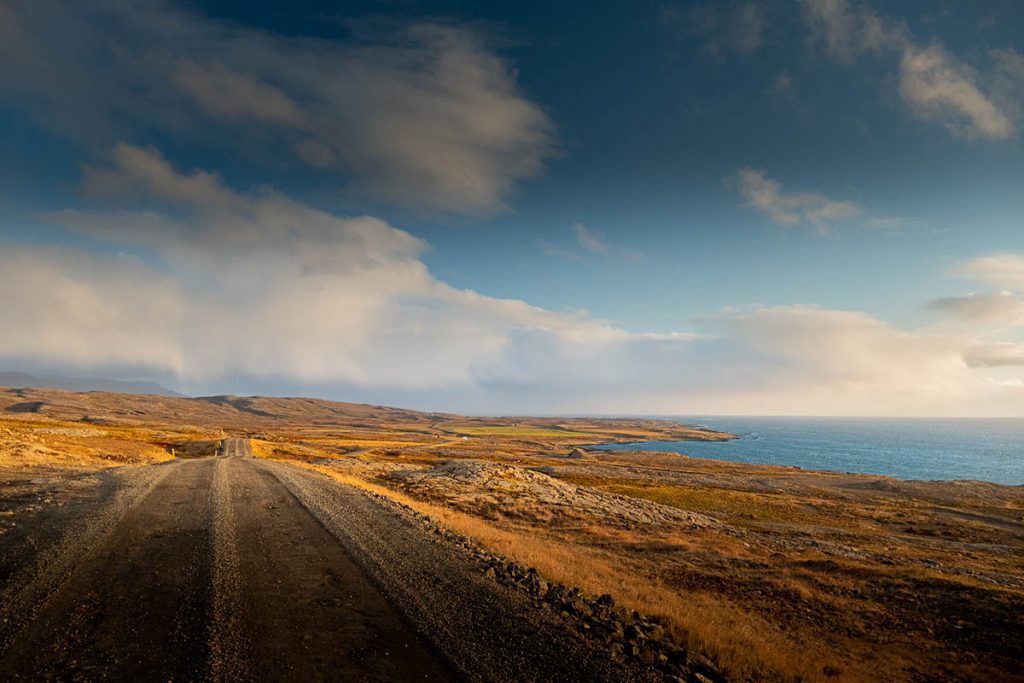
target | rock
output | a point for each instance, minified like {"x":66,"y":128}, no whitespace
{"x":580,"y":608}
{"x":531,"y":493}
{"x":699,"y":662}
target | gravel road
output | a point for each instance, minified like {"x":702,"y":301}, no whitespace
{"x":234,"y":568}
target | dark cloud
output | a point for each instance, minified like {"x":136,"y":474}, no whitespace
{"x":424,"y":115}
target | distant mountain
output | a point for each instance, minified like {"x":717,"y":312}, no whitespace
{"x":19,"y":380}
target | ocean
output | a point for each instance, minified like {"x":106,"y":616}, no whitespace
{"x":929,"y":449}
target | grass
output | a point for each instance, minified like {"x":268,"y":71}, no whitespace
{"x":754,"y":506}
{"x":44,"y":444}
{"x":526,"y":431}
{"x":743,"y":643}
{"x":762,"y":609}
{"x":809,"y":576}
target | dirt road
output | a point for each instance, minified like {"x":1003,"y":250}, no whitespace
{"x":235,"y":568}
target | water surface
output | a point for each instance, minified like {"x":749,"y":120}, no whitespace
{"x":983,"y":449}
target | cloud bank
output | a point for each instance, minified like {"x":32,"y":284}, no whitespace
{"x":229,"y":286}
{"x":426,"y":115}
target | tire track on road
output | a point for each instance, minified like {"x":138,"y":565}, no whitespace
{"x":33,"y":587}
{"x":488,"y":631}
{"x":137,"y":606}
{"x":309,"y":611}
{"x":227,"y":645}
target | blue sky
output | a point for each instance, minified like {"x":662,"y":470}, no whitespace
{"x":803,"y":206}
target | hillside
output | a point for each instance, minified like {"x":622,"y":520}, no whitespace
{"x":25,"y":380}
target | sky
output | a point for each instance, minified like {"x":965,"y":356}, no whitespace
{"x":806,"y":207}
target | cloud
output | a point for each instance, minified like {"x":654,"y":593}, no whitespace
{"x":1004,"y":308}
{"x":224,"y":93}
{"x":588,"y":244}
{"x":726,"y":27}
{"x":999,"y":270}
{"x":841,"y":358}
{"x":1000,"y":355}
{"x":258,"y":289}
{"x":1008,"y":81}
{"x":933,"y":84}
{"x":81,"y":311}
{"x":259,"y":285}
{"x":938,"y":88}
{"x":588,"y":240}
{"x":990,"y":321}
{"x":425,"y":115}
{"x":766,"y":195}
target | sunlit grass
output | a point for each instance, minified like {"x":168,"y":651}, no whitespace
{"x":740,"y":641}
{"x":526,"y":431}
{"x":755,"y":506}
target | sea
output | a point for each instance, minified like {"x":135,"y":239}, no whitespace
{"x":924,"y":448}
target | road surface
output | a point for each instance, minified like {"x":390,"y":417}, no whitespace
{"x":233,"y":568}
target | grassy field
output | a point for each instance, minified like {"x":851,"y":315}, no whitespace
{"x":738,"y":504}
{"x":774,"y":573}
{"x":523,"y":432}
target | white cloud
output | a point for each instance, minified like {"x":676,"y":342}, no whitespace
{"x":427,"y":115}
{"x":990,"y":322}
{"x":934,"y":85}
{"x":997,"y":355}
{"x":261,"y":288}
{"x":790,"y":208}
{"x":79,"y":310}
{"x":999,"y":270}
{"x":1002,"y":308}
{"x":940,"y":89}
{"x":793,"y":358}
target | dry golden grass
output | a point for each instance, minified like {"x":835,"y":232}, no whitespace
{"x":805,"y":576}
{"x":763,"y":600}
{"x":43,"y":444}
{"x":743,"y":643}
{"x":523,"y":432}
{"x":740,"y":504}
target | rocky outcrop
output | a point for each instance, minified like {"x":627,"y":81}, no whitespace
{"x":495,"y":489}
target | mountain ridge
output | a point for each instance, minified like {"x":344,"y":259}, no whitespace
{"x":24,"y":380}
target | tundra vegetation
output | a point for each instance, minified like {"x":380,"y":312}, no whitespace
{"x":771,"y":573}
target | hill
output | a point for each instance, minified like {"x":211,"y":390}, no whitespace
{"x":24,"y":380}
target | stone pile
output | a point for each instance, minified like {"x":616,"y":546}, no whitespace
{"x":626,"y":633}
